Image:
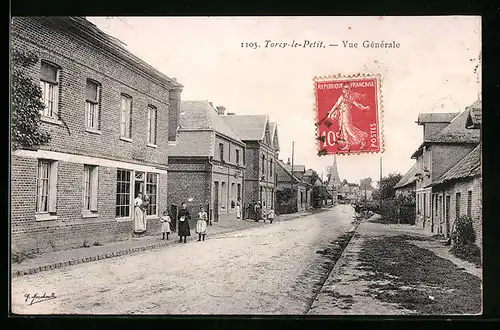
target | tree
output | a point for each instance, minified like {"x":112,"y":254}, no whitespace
{"x":313,"y":177}
{"x":365,"y":183}
{"x":344,"y":182}
{"x":386,"y":187}
{"x":26,"y":104}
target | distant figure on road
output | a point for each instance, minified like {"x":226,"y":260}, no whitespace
{"x":238,"y":209}
{"x":184,"y":230}
{"x":201,"y":224}
{"x":165,"y":224}
{"x":270,"y":215}
{"x":257,"y":211}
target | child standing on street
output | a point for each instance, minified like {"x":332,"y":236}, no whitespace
{"x":165,"y":224}
{"x":201,"y":224}
{"x":270,"y":215}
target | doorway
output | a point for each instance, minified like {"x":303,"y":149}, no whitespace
{"x":425,"y":209}
{"x":447,"y":215}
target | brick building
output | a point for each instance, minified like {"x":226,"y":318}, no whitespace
{"x":111,"y":118}
{"x":207,"y":164}
{"x":444,"y":146}
{"x":261,"y":155}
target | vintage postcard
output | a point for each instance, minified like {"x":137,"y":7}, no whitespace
{"x":246,"y":166}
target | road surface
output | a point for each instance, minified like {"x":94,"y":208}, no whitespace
{"x":270,"y":269}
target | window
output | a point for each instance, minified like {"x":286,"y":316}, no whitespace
{"x":126,"y":116}
{"x":152,"y":192}
{"x":46,"y":186}
{"x":152,"y":124}
{"x":457,"y":204}
{"x":271,"y":168}
{"x":469,"y":203}
{"x":90,"y":184}
{"x":263,"y":165}
{"x":237,"y":156}
{"x":123,"y":193}
{"x":49,"y":83}
{"x":92,"y":105}
{"x":221,"y":151}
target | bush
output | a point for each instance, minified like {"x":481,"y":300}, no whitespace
{"x":464,"y":241}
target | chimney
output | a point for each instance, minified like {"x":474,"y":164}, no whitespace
{"x":211,"y":104}
{"x":174,"y":79}
{"x":221,"y":110}
{"x":288,"y":162}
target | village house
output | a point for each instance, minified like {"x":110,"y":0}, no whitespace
{"x":291,"y":180}
{"x":111,"y":118}
{"x":443,"y":147}
{"x":207,"y":165}
{"x":407,"y":185}
{"x":261,"y":154}
{"x":458,"y":191}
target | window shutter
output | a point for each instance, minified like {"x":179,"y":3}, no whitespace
{"x":53,"y":187}
{"x":94,"y":183}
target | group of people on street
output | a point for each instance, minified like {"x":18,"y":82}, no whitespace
{"x":259,"y":213}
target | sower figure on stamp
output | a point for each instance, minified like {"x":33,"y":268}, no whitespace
{"x":350,"y":134}
{"x":184,"y":230}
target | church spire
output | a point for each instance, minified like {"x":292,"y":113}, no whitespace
{"x":334,"y":180}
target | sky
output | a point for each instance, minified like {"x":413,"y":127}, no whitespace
{"x":431,"y":71}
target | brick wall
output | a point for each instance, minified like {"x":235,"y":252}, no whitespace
{"x":81,"y":60}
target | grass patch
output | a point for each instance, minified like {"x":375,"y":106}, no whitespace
{"x":383,"y":220}
{"x":417,"y":279}
{"x":469,"y":252}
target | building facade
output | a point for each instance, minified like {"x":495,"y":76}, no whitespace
{"x":261,"y":155}
{"x":207,"y":165}
{"x":442,"y":149}
{"x":111,"y":118}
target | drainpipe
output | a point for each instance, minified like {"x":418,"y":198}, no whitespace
{"x":210,"y":202}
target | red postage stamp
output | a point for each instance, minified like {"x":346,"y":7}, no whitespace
{"x":348,"y":114}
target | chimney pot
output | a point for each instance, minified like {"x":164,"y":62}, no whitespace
{"x":221,"y":109}
{"x":288,"y":162}
{"x":174,"y":79}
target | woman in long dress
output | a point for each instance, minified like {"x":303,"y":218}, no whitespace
{"x":201,"y":224}
{"x":138,"y":215}
{"x":350,"y":134}
{"x":238,"y":209}
{"x":184,"y":230}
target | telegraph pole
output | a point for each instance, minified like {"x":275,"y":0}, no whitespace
{"x":291,"y":180}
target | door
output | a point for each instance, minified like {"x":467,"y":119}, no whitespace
{"x":447,"y":215}
{"x":425,"y":209}
{"x":173,"y":216}
{"x":216,"y":202}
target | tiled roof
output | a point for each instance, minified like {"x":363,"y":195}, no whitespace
{"x":468,"y":166}
{"x":309,"y":172}
{"x":192,"y":144}
{"x":201,"y":115}
{"x":474,"y":119}
{"x":408,"y":178}
{"x":436,"y":117}
{"x":286,"y":168}
{"x":248,"y":127}
{"x":456,"y":132}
